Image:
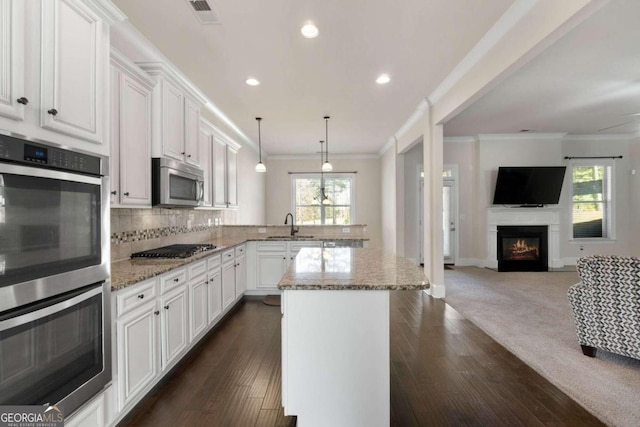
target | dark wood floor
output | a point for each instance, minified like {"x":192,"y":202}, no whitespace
{"x":444,"y":372}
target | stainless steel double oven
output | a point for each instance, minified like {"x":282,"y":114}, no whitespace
{"x":55,"y":341}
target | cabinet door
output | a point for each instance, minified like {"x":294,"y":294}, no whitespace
{"x":172,"y":121}
{"x":241,"y":275}
{"x":137,"y":352}
{"x":232,"y":177}
{"x":174,"y":325}
{"x":270,"y":268}
{"x":114,"y":164}
{"x":219,"y":174}
{"x":191,"y":132}
{"x":206,"y":162}
{"x":12,"y":53}
{"x":228,"y":284}
{"x":215,"y":294}
{"x":135,"y":142}
{"x":198,"y":314}
{"x":73,"y":54}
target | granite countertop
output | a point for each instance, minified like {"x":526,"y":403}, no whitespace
{"x":352,"y":269}
{"x":131,"y":271}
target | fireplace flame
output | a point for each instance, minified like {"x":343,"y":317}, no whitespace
{"x":520,"y":247}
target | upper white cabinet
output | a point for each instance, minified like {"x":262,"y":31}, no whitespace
{"x":12,"y":53}
{"x":176,"y":116}
{"x":130,"y":133}
{"x":72,"y":98}
{"x":206,"y":141}
{"x":225,"y":171}
{"x":54,"y":73}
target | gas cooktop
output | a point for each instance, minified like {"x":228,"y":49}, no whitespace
{"x":175,"y":251}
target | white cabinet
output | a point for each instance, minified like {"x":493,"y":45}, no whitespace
{"x":54,"y":71}
{"x":73,"y":54}
{"x":198,"y":286}
{"x":130,"y":134}
{"x":206,"y":143}
{"x":225,"y":167}
{"x":214,"y":278}
{"x":176,"y":116}
{"x":175,"y":338}
{"x":272,"y":259}
{"x":12,"y":52}
{"x":136,"y":340}
{"x":228,"y":279}
{"x":92,"y":414}
{"x":137,"y":351}
{"x":241,"y":271}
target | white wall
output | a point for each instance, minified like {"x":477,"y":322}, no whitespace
{"x":412,"y":163}
{"x":251,"y":191}
{"x":485,"y":156}
{"x":387,"y":185}
{"x":367,"y":189}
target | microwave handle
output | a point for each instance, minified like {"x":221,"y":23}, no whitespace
{"x":200,"y":191}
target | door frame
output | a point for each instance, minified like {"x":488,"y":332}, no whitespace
{"x":455,"y":207}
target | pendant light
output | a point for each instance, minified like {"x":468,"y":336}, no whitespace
{"x":260,"y":167}
{"x":323,"y":196}
{"x":326,"y":166}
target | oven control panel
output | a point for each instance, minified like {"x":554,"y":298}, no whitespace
{"x":26,"y":152}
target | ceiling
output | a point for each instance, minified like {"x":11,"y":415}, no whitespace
{"x":586,"y":83}
{"x":417,"y":42}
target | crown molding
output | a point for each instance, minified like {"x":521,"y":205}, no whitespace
{"x":315,"y":156}
{"x":218,"y":134}
{"x":121,"y":61}
{"x":602,"y":137}
{"x":421,"y":109}
{"x":521,"y":136}
{"x":107,"y":11}
{"x":390,"y":143}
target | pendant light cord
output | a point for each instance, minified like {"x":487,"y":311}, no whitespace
{"x":259,"y":119}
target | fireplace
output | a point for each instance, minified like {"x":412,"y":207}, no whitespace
{"x":522,"y":248}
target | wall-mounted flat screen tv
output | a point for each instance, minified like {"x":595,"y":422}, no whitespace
{"x":529,"y":186}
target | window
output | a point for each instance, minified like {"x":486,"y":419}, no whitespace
{"x":307,"y":199}
{"x":592,"y":202}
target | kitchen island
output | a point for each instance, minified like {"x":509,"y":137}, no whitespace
{"x":335,"y":334}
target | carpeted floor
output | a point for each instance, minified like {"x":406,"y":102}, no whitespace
{"x":529,"y":314}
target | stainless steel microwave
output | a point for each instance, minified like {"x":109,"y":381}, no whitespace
{"x":175,"y":184}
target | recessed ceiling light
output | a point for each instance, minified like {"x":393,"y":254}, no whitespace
{"x":383,"y":79}
{"x":309,"y":30}
{"x":252,"y":82}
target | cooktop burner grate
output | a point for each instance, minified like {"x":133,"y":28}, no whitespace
{"x":175,"y":251}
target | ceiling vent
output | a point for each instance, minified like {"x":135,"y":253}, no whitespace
{"x":205,"y":13}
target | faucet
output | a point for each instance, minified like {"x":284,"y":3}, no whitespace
{"x":293,"y":229}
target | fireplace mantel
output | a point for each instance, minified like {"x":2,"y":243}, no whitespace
{"x":523,"y":216}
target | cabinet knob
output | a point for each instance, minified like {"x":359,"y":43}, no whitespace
{"x":126,"y":194}
{"x":284,"y":258}
{"x":206,"y":282}
{"x":53,"y":112}
{"x":176,"y":280}
{"x":114,"y":192}
{"x":184,"y":152}
{"x":156,"y":312}
{"x":22,"y":100}
{"x":141,"y":296}
{"x":166,"y":307}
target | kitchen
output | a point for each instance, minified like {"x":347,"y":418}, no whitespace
{"x":85,"y":79}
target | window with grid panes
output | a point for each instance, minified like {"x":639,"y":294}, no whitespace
{"x":592,"y":201}
{"x":308,"y":206}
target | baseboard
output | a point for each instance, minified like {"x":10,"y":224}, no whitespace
{"x":436,"y":290}
{"x":262,"y":292}
{"x":469,"y":262}
{"x":570,"y":260}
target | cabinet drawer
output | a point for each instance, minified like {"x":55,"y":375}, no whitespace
{"x":295,"y":247}
{"x":240,"y":249}
{"x":172,"y":280}
{"x":228,"y":255}
{"x":271,"y":247}
{"x":197,"y":269}
{"x":214,"y":262}
{"x":133,"y":297}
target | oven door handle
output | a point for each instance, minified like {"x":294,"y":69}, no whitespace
{"x":21,"y":319}
{"x":48,"y":173}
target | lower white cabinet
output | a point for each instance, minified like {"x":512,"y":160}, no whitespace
{"x":175,"y":337}
{"x":137,"y":341}
{"x":270,"y":267}
{"x":159,"y":319}
{"x":92,"y":414}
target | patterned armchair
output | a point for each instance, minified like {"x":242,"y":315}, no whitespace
{"x":606,"y":305}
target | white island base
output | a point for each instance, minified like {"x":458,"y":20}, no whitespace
{"x":335,"y":357}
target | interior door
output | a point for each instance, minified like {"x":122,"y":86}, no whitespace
{"x":448,"y":221}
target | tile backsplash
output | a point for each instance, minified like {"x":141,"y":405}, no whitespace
{"x":134,"y":230}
